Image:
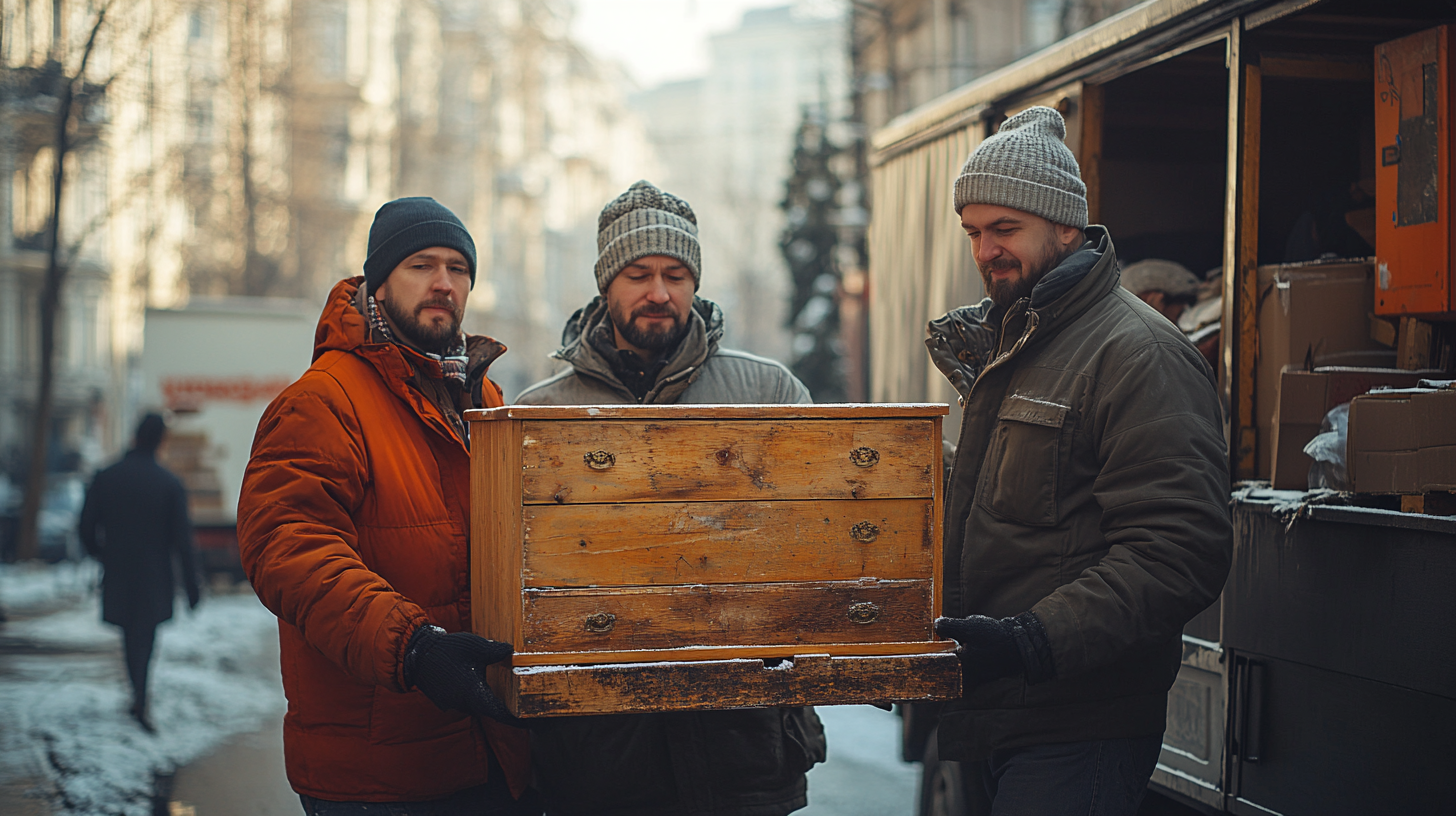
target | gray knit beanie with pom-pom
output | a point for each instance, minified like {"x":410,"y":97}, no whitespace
{"x":645,"y":221}
{"x":1026,"y":166}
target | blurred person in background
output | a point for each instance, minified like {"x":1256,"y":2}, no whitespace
{"x":135,"y":522}
{"x":649,"y":339}
{"x":353,"y":526}
{"x":1167,"y":286}
{"x":1086,"y":519}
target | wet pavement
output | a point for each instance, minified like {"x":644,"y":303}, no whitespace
{"x":863,"y":776}
{"x":244,"y":777}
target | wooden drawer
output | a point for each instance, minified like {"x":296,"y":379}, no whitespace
{"x":681,"y":557}
{"x":695,"y":460}
{"x":666,"y":543}
{"x":624,"y":618}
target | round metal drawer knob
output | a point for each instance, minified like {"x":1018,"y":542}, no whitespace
{"x":864,"y":457}
{"x":863,"y":613}
{"x":599,"y":459}
{"x":600,"y":622}
{"x":864,"y":532}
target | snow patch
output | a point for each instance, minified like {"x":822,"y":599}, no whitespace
{"x":64,"y":698}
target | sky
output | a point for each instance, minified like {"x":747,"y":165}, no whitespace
{"x":658,"y":40}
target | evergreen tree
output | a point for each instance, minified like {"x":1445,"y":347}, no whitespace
{"x":808,"y":244}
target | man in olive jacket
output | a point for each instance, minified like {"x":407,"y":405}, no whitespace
{"x":648,"y":339}
{"x":1087,"y":513}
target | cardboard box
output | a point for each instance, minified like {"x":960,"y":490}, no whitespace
{"x":1403,"y":441}
{"x":1304,"y":399}
{"x":1319,"y":311}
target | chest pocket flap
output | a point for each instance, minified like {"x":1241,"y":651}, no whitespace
{"x":1023,"y":461}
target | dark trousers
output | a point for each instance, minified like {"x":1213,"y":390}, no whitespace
{"x":491,"y":799}
{"x":137,"y":643}
{"x":1097,"y":778}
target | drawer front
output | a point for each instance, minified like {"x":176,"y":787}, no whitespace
{"x":621,"y":461}
{"x":669,"y":543}
{"x":698,"y":685}
{"x":583,"y":620}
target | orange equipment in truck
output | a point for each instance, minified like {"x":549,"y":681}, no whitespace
{"x":1415,"y":183}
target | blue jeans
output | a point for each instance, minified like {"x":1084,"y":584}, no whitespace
{"x":1097,"y":778}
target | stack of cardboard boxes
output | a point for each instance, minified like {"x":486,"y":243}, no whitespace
{"x":1403,"y":440}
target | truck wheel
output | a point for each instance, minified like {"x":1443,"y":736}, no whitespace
{"x":942,"y":784}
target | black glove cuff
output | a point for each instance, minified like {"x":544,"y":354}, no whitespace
{"x":419,"y":643}
{"x":1035,"y":648}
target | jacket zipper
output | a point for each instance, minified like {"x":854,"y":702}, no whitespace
{"x":1032,"y":321}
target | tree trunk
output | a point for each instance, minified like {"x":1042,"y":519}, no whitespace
{"x":28,"y":546}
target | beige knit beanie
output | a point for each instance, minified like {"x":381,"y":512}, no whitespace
{"x":1026,"y":166}
{"x":645,"y":221}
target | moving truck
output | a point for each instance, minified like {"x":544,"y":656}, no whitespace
{"x":215,"y":364}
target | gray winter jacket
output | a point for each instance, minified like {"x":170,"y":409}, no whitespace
{"x":698,"y":372}
{"x":745,"y":762}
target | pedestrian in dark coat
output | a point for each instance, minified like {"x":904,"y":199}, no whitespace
{"x":135,"y":523}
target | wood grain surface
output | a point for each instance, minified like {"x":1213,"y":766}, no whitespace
{"x":724,"y":615}
{"x":845,"y":410}
{"x":695,"y":460}
{"x":688,"y":653}
{"x":803,"y":680}
{"x":495,"y":530}
{"x":652,"y":544}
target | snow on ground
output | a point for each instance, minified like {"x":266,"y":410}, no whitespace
{"x":864,"y":775}
{"x":64,"y":697}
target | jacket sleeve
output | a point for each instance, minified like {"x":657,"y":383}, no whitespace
{"x":296,"y":535}
{"x":1163,"y":491}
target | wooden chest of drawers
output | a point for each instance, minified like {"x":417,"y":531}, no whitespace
{"x":655,"y":558}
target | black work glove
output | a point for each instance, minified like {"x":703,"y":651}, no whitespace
{"x":450,"y":670}
{"x":992,"y":649}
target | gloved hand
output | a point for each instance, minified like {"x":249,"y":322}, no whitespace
{"x":988,"y":649}
{"x":992,"y":648}
{"x":450,"y":670}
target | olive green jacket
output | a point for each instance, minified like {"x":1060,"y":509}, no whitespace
{"x":1090,"y":487}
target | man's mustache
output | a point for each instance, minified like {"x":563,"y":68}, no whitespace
{"x":662,"y":310}
{"x":437,"y":303}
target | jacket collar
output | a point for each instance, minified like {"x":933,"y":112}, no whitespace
{"x":683,"y":365}
{"x":966,"y":340}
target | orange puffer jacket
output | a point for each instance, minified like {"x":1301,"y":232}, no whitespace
{"x":352,"y":526}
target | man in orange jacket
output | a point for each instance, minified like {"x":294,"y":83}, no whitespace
{"x":353,"y":527}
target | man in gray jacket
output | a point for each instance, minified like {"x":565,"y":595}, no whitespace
{"x":1087,"y":513}
{"x":648,"y":339}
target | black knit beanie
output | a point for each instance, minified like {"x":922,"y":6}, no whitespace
{"x":405,"y":226}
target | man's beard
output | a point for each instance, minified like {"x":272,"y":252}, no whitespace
{"x":1006,"y":292}
{"x":657,"y":340}
{"x":428,"y":337}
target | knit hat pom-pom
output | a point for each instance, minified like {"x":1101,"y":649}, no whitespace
{"x":1038,"y":117}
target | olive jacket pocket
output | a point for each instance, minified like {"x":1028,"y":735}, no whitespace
{"x":1024,"y":461}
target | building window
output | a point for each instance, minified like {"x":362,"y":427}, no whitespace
{"x":1043,"y":23}
{"x":199,"y":119}
{"x":332,"y":38}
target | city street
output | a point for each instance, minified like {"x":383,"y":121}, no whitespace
{"x":69,"y":748}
